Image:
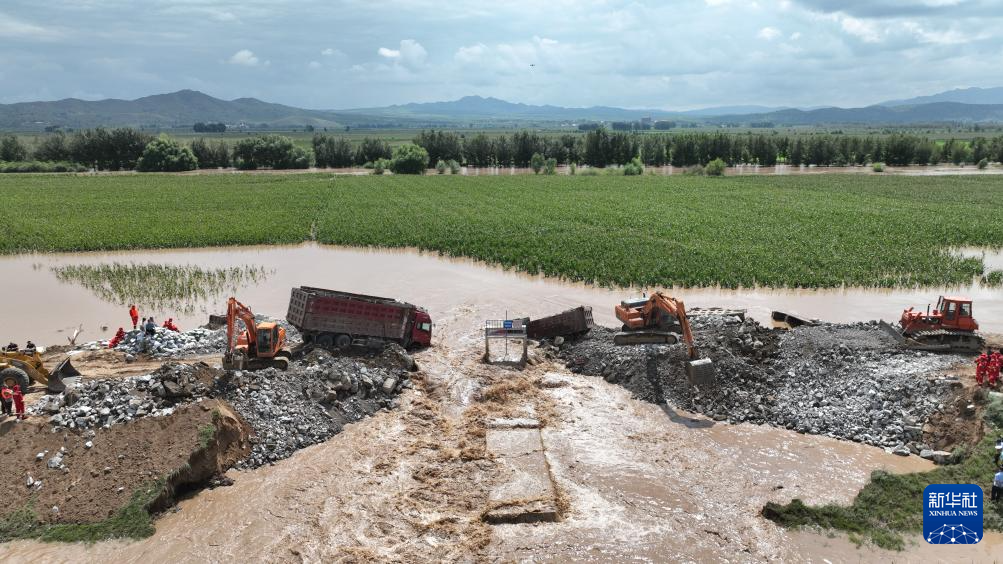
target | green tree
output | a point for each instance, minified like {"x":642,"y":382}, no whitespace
{"x":478,"y":150}
{"x":550,"y":166}
{"x":211,"y":155}
{"x":270,"y":151}
{"x":372,"y":149}
{"x":440,"y":167}
{"x":536,"y":162}
{"x":634,"y":168}
{"x":715,"y":168}
{"x":409,"y":159}
{"x":52,"y":148}
{"x":12,"y":149}
{"x":166,"y":155}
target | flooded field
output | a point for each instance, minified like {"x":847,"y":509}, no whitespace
{"x":640,"y":481}
{"x":46,"y":309}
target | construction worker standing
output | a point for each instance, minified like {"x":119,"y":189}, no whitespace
{"x":19,"y":402}
{"x":981,"y":368}
{"x":134,"y":314}
{"x":998,"y":485}
{"x":995,"y":362}
{"x":6,"y":398}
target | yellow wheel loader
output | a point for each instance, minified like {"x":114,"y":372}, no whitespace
{"x":24,"y":369}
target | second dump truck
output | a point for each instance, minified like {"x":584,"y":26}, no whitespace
{"x":334,"y":319}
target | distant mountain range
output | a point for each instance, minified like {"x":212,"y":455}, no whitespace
{"x":186,"y":107}
{"x":991,"y":96}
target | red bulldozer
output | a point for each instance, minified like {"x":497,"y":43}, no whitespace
{"x":950,"y":326}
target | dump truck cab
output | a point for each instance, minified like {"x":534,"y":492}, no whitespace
{"x":421,"y":331}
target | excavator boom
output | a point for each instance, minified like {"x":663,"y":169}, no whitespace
{"x":654,"y":321}
{"x":258,"y":346}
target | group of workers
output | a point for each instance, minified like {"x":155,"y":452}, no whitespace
{"x":148,"y":327}
{"x":987,"y":367}
{"x":29,"y":348}
{"x":12,"y":395}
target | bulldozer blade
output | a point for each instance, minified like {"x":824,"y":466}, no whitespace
{"x":645,"y":338}
{"x":700,"y":372}
{"x":65,"y":369}
{"x":892,"y":331}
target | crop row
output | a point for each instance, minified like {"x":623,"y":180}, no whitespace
{"x":802,"y":231}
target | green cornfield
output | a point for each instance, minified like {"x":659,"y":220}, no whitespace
{"x":821,"y":230}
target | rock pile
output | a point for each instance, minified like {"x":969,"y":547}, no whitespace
{"x":102,"y":403}
{"x":167,"y":343}
{"x":313,"y":400}
{"x":844,"y":381}
{"x":304,"y":405}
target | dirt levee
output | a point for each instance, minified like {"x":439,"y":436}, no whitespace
{"x":85,"y":477}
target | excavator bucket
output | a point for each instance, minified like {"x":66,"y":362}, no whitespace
{"x":65,"y":369}
{"x":700,"y":372}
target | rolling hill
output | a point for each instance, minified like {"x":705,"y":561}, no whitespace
{"x":186,"y":107}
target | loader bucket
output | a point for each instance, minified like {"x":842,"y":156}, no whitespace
{"x":700,"y":372}
{"x":64,"y":370}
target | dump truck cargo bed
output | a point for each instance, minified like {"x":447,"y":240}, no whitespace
{"x":332,"y":317}
{"x":570,"y":322}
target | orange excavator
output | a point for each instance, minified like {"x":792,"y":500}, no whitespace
{"x":259,"y":345}
{"x":658,"y":320}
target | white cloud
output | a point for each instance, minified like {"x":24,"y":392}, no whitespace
{"x":331,"y":52}
{"x":866,"y":30}
{"x":18,"y":29}
{"x":244,"y":57}
{"x":411,"y":54}
{"x":795,"y":36}
{"x":314,"y":65}
{"x":768,"y":33}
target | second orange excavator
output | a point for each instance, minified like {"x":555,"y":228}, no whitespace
{"x":259,"y":345}
{"x":660,"y":319}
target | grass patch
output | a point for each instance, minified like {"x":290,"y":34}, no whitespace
{"x":160,"y":286}
{"x":206,"y":434}
{"x":130,"y":521}
{"x":825,"y":230}
{"x":891,"y":505}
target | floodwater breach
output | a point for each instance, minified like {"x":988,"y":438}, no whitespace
{"x":631,"y":479}
{"x":46,"y":310}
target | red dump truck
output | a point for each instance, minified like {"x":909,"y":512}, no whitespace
{"x":334,"y":319}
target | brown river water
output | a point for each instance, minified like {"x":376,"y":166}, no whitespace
{"x":41,"y":308}
{"x":642,"y":482}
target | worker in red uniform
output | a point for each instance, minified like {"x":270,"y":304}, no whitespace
{"x":6,"y":398}
{"x":981,"y":368}
{"x":169,"y":324}
{"x":995,"y":359}
{"x":19,"y":402}
{"x":134,"y":314}
{"x":119,"y":335}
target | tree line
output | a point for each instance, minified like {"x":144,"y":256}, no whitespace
{"x":123,"y":149}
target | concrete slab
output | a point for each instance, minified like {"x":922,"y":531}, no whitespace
{"x":514,"y":423}
{"x":525,"y":493}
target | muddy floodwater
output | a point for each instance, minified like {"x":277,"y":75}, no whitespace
{"x":642,"y":482}
{"x":41,"y":308}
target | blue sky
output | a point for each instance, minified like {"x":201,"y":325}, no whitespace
{"x":357,"y":53}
